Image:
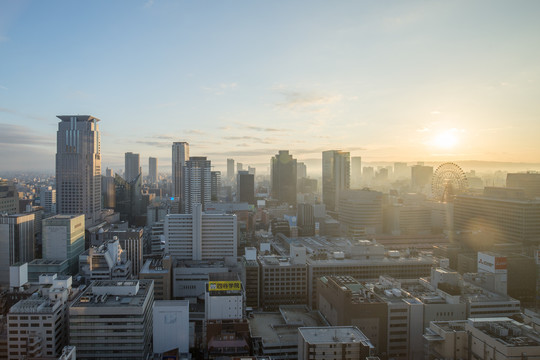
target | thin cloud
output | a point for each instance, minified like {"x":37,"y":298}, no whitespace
{"x":15,"y":112}
{"x":257,"y":128}
{"x":154,"y":143}
{"x":220,"y":89}
{"x":307,"y":101}
{"x":194,"y":132}
{"x":148,"y":4}
{"x":21,"y":135}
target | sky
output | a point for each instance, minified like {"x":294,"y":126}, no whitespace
{"x":388,"y":81}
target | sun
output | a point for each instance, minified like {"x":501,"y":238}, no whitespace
{"x":445,"y":140}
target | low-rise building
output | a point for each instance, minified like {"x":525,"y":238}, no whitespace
{"x":332,"y":343}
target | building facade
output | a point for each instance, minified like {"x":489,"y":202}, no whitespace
{"x":78,"y":167}
{"x":63,"y":239}
{"x":197,"y":183}
{"x":336,"y":176}
{"x":180,"y":154}
{"x":283,"y":175}
{"x":132,"y":167}
{"x":17,"y":242}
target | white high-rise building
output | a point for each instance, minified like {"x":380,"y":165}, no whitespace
{"x":78,"y":167}
{"x":132,"y":166}
{"x":197,"y":178}
{"x":180,"y":154}
{"x":200,"y":236}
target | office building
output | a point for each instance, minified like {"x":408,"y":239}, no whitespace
{"x":171,"y":326}
{"x":402,"y":171}
{"x":152,"y":170}
{"x":283,"y":281}
{"x":159,"y":269}
{"x":128,"y":198}
{"x":482,"y":339}
{"x":105,"y":262}
{"x":239,"y":167}
{"x":230,"y":169}
{"x":356,"y":171}
{"x":215,"y":185}
{"x":47,"y":199}
{"x":333,"y":343}
{"x":275,"y":334}
{"x":421,"y":176}
{"x":301,"y":170}
{"x":283,"y":175}
{"x":503,"y":214}
{"x":113,"y":319}
{"x":529,"y":182}
{"x":361,"y":212}
{"x":132,"y":167}
{"x":108,"y":192}
{"x":78,"y":167}
{"x":336,"y":175}
{"x":37,"y":328}
{"x":63,"y":239}
{"x":200,"y":236}
{"x":180,"y":154}
{"x":9,"y":197}
{"x":344,"y":301}
{"x":197,"y":183}
{"x":305,"y":219}
{"x":131,"y":242}
{"x":245,"y":184}
{"x":17,"y":242}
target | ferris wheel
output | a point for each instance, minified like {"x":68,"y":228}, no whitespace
{"x":448,"y":180}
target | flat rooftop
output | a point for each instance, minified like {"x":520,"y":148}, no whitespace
{"x":275,"y":328}
{"x":110,"y":293}
{"x":333,"y":334}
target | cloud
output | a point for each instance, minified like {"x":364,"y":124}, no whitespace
{"x":148,"y":4}
{"x":3,"y":87}
{"x":154,"y":143}
{"x":257,"y":128}
{"x":306,"y":101}
{"x":252,"y":138}
{"x":23,"y":136}
{"x":194,"y":132}
{"x":15,"y":112}
{"x":423,"y":130}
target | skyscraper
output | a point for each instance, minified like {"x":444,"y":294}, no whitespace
{"x":152,"y":170}
{"x":245,"y":187}
{"x":78,"y":167}
{"x":180,"y":154}
{"x":230,"y":169}
{"x":133,"y":166}
{"x":215,"y":185}
{"x":336,"y":176}
{"x":356,"y":171}
{"x":197,"y":183}
{"x":283,"y":174}
{"x":16,"y":241}
{"x":9,"y":197}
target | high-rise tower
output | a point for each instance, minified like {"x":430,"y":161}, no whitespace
{"x":78,"y":166}
{"x":180,"y":154}
{"x":132,"y":166}
{"x":230,"y":169}
{"x":283,"y":175}
{"x":152,"y":169}
{"x":336,"y":176}
{"x":197,"y":183}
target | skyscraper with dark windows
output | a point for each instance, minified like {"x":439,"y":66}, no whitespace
{"x":180,"y":154}
{"x":132,"y":166}
{"x":245,"y":185}
{"x":230,"y":169}
{"x":283,"y":170}
{"x":336,"y":176}
{"x":78,"y":167}
{"x":152,"y":170}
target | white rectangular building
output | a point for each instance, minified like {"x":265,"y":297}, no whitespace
{"x":171,"y":326}
{"x":200,"y":236}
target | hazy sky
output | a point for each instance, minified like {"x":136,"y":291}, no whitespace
{"x":385,"y":80}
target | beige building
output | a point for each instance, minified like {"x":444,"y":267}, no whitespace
{"x":332,"y":343}
{"x":159,"y":269}
{"x":482,"y":339}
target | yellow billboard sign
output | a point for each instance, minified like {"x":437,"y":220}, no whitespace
{"x":224,"y":285}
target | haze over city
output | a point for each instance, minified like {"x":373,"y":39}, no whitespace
{"x":394,"y":81}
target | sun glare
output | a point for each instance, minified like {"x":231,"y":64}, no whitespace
{"x":445,"y":140}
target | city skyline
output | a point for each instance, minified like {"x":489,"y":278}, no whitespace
{"x":410,"y":82}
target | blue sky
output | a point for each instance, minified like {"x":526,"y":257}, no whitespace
{"x":404,"y":81}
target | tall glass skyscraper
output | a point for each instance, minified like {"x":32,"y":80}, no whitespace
{"x":336,"y":176}
{"x":180,"y":154}
{"x":78,"y":167}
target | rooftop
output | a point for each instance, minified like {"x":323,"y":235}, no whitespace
{"x":333,"y":334}
{"x":106,"y":293}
